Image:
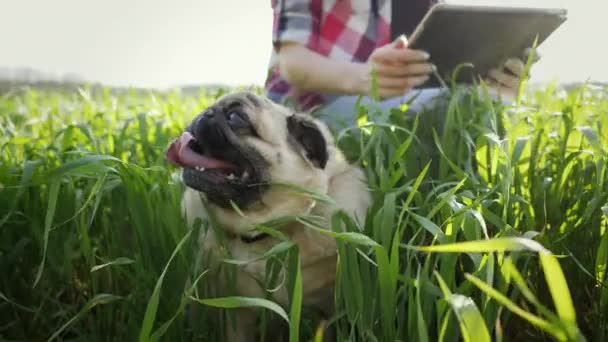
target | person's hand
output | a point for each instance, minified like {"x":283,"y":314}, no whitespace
{"x":505,"y":80}
{"x":398,"y":69}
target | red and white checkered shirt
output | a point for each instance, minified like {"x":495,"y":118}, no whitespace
{"x":347,"y":30}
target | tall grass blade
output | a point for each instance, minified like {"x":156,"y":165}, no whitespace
{"x":48,"y":221}
{"x":483,"y":246}
{"x":472,"y":325}
{"x":235,"y":302}
{"x":117,"y":261}
{"x":184,"y":301}
{"x":296,"y":300}
{"x":507,"y":303}
{"x":152,"y":307}
{"x":100,"y":299}
{"x":558,"y":286}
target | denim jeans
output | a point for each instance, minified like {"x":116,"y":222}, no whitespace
{"x":341,"y":110}
{"x":429,"y":105}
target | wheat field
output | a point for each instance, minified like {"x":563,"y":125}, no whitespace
{"x":489,"y":223}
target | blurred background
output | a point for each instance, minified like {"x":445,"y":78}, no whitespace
{"x":164,"y":44}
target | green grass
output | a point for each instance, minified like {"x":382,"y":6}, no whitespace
{"x":488,"y":224}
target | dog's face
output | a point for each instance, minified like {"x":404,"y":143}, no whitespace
{"x":239,"y":147}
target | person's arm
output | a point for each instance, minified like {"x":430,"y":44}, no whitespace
{"x":310,"y":71}
{"x":398,"y":70}
{"x":295,"y":21}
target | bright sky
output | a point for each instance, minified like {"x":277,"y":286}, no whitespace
{"x":165,"y":43}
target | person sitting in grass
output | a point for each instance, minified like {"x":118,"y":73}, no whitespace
{"x":324,"y":52}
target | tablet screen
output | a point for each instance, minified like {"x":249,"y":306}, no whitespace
{"x":484,"y":37}
{"x":406,"y":15}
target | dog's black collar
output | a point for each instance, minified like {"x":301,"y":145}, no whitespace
{"x":255,"y":238}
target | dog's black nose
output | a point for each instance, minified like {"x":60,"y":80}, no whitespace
{"x":207,"y":129}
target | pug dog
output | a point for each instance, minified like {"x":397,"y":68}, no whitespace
{"x":235,"y":159}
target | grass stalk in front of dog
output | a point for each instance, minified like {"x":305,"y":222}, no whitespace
{"x":489,"y":223}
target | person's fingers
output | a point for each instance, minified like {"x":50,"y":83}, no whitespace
{"x":392,"y":55}
{"x":515,"y":66}
{"x":400,"y":42}
{"x":491,"y":83}
{"x":402,"y":70}
{"x":496,"y":89}
{"x":504,"y":79}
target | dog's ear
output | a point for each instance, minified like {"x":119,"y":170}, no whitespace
{"x":306,"y":137}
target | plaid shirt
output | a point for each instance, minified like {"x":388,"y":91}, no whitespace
{"x":339,"y":29}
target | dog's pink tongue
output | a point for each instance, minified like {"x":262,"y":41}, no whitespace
{"x":180,"y":154}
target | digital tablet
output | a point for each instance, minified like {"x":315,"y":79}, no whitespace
{"x":482,"y":36}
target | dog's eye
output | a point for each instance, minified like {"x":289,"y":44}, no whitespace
{"x":237,"y":121}
{"x":235,"y":118}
